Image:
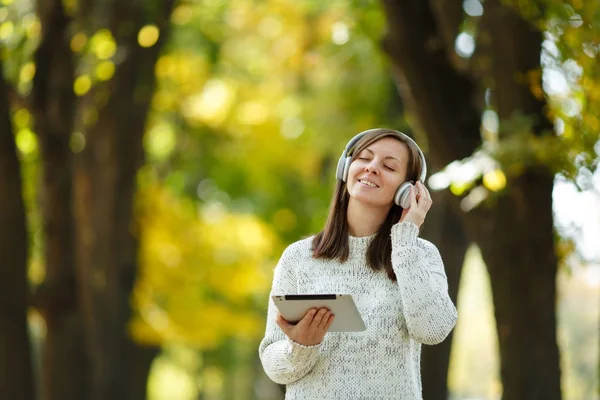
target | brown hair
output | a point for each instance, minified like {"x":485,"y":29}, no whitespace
{"x":332,"y":241}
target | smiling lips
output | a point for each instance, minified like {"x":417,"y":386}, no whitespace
{"x":368,"y":183}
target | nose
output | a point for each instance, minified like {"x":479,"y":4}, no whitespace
{"x":372,"y":167}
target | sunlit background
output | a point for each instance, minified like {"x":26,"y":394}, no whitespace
{"x":254,"y":103}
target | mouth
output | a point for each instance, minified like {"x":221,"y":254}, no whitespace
{"x":367,"y":183}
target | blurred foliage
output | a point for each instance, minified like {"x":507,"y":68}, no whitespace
{"x":204,"y":272}
{"x":570,"y":83}
{"x":566,"y":80}
{"x":253,"y":104}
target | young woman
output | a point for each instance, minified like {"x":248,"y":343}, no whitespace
{"x":369,"y":248}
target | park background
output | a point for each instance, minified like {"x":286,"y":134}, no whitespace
{"x":157,"y":156}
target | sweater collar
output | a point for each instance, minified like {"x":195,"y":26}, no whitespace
{"x":360,"y":244}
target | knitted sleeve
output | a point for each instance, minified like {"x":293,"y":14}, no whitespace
{"x":284,"y":360}
{"x":428,"y":310}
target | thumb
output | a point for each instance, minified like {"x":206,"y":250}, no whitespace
{"x":283,"y":324}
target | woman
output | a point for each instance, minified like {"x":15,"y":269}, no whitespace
{"x":369,"y":248}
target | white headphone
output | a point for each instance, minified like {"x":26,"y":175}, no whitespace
{"x":401,"y":197}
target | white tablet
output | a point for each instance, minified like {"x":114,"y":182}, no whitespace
{"x":293,"y":307}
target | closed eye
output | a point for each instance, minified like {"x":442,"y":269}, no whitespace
{"x":391,"y":169}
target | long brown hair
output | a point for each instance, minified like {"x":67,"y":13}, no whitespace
{"x":332,"y":241}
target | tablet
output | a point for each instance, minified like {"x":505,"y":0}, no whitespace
{"x":293,"y":307}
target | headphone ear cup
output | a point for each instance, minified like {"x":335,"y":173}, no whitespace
{"x":341,"y":165}
{"x":347,"y":168}
{"x":401,"y":197}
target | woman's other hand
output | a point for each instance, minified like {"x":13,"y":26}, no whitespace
{"x":311,"y":329}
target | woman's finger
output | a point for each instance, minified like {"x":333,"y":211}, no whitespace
{"x":426,"y":191}
{"x":425,"y":200}
{"x":307,"y":320}
{"x":318,"y":317}
{"x":329,"y":322}
{"x":324,"y":320}
{"x":413,"y":196}
{"x":421,"y":190}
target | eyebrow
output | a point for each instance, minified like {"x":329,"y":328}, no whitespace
{"x":388,"y":157}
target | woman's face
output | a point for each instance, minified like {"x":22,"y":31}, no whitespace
{"x":378,"y":171}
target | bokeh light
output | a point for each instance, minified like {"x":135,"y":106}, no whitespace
{"x":148,"y":36}
{"x":82,"y":85}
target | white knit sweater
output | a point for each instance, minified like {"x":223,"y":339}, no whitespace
{"x":382,"y":362}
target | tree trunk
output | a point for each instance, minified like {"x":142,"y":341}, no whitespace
{"x":519,"y":255}
{"x":107,"y":235}
{"x":91,"y":238}
{"x":516,"y":242}
{"x":441,"y":99}
{"x":444,"y":228}
{"x":517,"y":239}
{"x":64,"y":362}
{"x":16,"y":371}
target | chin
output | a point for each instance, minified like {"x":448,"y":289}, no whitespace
{"x":370,"y":200}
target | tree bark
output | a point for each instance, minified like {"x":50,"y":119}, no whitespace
{"x":16,"y":370}
{"x":449,"y":16}
{"x":64,"y":362}
{"x":105,"y":180}
{"x":516,"y":235}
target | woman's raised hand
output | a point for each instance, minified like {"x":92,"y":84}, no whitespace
{"x":311,"y":329}
{"x":420,"y":203}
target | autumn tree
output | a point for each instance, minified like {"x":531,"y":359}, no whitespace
{"x":94,"y":77}
{"x":511,"y":222}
